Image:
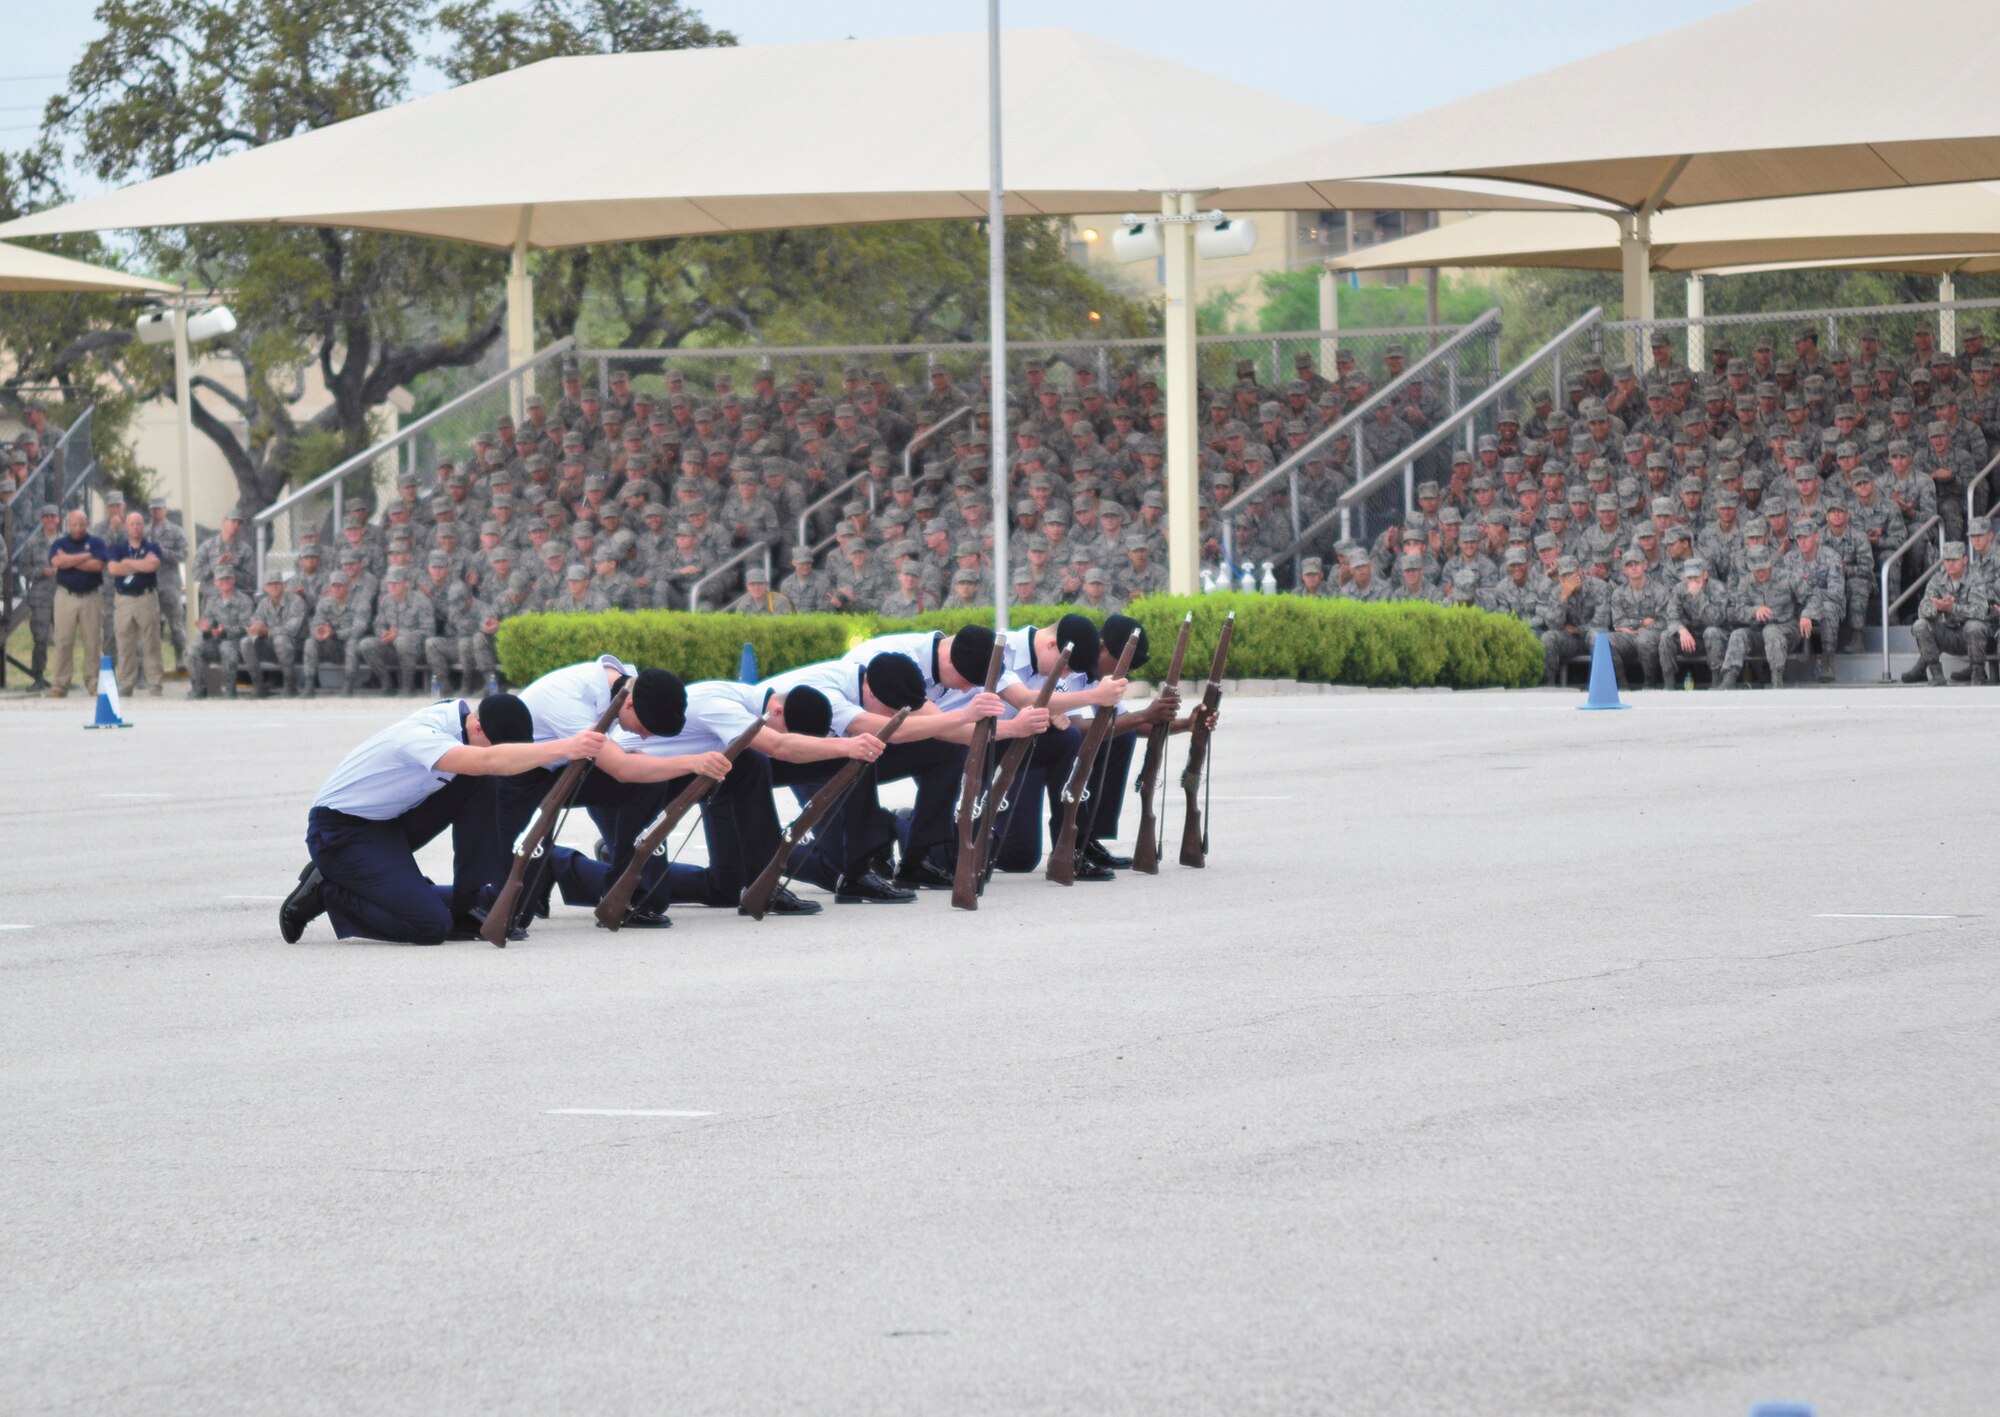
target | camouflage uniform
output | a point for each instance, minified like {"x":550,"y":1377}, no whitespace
{"x":1779,"y":633}
{"x":1646,"y":611}
{"x":1963,"y":629}
{"x":414,"y":621}
{"x":1703,"y":614}
{"x":461,"y":640}
{"x":1568,"y":624}
{"x":222,"y":643}
{"x":285,"y":624}
{"x":347,"y":624}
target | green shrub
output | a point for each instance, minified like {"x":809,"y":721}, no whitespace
{"x":1276,"y":637}
{"x":695,"y":646}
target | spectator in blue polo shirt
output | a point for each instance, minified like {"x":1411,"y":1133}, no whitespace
{"x":79,"y":561}
{"x":134,"y":568}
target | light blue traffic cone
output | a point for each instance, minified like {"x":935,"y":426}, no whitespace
{"x":1603,"y":678}
{"x":108,"y":715}
{"x":746,"y":667}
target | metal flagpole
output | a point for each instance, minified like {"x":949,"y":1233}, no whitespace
{"x":996,"y":286}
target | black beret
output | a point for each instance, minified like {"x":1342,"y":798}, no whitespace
{"x":505,"y":719}
{"x":895,"y":680}
{"x":661,"y":701}
{"x":807,"y":712}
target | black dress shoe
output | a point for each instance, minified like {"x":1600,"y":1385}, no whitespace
{"x":637,"y":919}
{"x":303,"y":905}
{"x":1089,"y":870}
{"x":602,"y":851}
{"x":867,"y":888}
{"x":783,"y":902}
{"x":1095,"y":853}
{"x":924,"y":876}
{"x":882,"y":863}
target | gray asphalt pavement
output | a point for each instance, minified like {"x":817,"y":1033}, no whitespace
{"x":1506,"y":1059}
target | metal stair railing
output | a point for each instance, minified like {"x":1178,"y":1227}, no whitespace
{"x":74,"y":447}
{"x":1487,"y":325}
{"x":1406,"y":458}
{"x":835,"y":495}
{"x":334,"y":477}
{"x":1889,"y":564}
{"x":753,"y":549}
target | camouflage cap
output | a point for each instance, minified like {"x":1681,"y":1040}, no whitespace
{"x":1566,"y":566}
{"x":1953,"y":551}
{"x":395,"y":575}
{"x":1515,"y":556}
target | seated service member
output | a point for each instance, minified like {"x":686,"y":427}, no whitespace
{"x":395,"y":793}
{"x":739,"y":818}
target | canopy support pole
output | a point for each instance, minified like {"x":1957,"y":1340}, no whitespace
{"x":184,"y":451}
{"x":520,"y":315}
{"x":1635,"y":258}
{"x":1183,"y":449}
{"x":1947,"y":319}
{"x":1697,"y":308}
{"x":996,"y":318}
{"x":1329,"y":319}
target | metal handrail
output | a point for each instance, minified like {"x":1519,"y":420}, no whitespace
{"x":1889,"y":564}
{"x":768,"y":353}
{"x":694,"y":591}
{"x":1353,"y":416}
{"x":334,"y":475}
{"x":1974,"y":485}
{"x":806,"y":512}
{"x":1346,"y":423}
{"x":23,"y":497}
{"x":929,"y":433}
{"x":1408,"y":456}
{"x":1824,"y":312}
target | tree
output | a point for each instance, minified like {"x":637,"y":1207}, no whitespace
{"x":170,"y":83}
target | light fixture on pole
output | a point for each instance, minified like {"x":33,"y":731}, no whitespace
{"x":183,"y":327}
{"x":996,"y":316}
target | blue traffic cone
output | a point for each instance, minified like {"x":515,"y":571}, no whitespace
{"x":1603,"y":678}
{"x":108,"y":707}
{"x":746,"y":667}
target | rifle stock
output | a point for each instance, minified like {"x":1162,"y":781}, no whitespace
{"x":1194,"y":842}
{"x":1146,"y":853}
{"x":1010,"y":768}
{"x":617,"y":900}
{"x":965,"y":873}
{"x":534,"y":838}
{"x":757,"y":899}
{"x":1062,"y":856}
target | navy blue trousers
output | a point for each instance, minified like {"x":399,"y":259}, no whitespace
{"x":619,"y":809}
{"x":372,"y":885}
{"x":1018,"y":844}
{"x":739,"y":822}
{"x":859,"y":828}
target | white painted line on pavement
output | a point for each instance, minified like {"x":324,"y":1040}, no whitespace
{"x":16,"y":927}
{"x":1881,"y":916}
{"x":253,"y":897}
{"x":620,"y":1112}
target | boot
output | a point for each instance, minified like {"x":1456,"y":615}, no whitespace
{"x":412,"y":681}
{"x":1962,"y":676}
{"x":1936,"y":673}
{"x":1732,"y":678}
{"x":261,"y":681}
{"x":291,"y":681}
{"x":1979,"y":677}
{"x":1916,"y":672}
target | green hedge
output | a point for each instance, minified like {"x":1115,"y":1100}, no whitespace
{"x":1277,"y":637}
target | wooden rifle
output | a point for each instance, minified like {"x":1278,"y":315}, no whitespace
{"x":653,"y":841}
{"x":532,"y":844}
{"x":1062,"y":856}
{"x":1194,"y":840}
{"x":757,"y":899}
{"x":965,"y":874}
{"x":1010,"y":768}
{"x":1146,"y":854}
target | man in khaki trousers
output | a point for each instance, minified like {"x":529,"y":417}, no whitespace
{"x":79,"y":560}
{"x":134,"y":569}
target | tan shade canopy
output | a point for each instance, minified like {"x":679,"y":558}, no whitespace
{"x":24,"y":272}
{"x":1779,"y":98}
{"x":635,"y":146}
{"x":1806,"y":231}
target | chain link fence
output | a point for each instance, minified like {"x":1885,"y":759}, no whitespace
{"x":1765,"y":340}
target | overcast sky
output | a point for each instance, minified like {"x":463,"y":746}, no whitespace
{"x":1361,"y":59}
